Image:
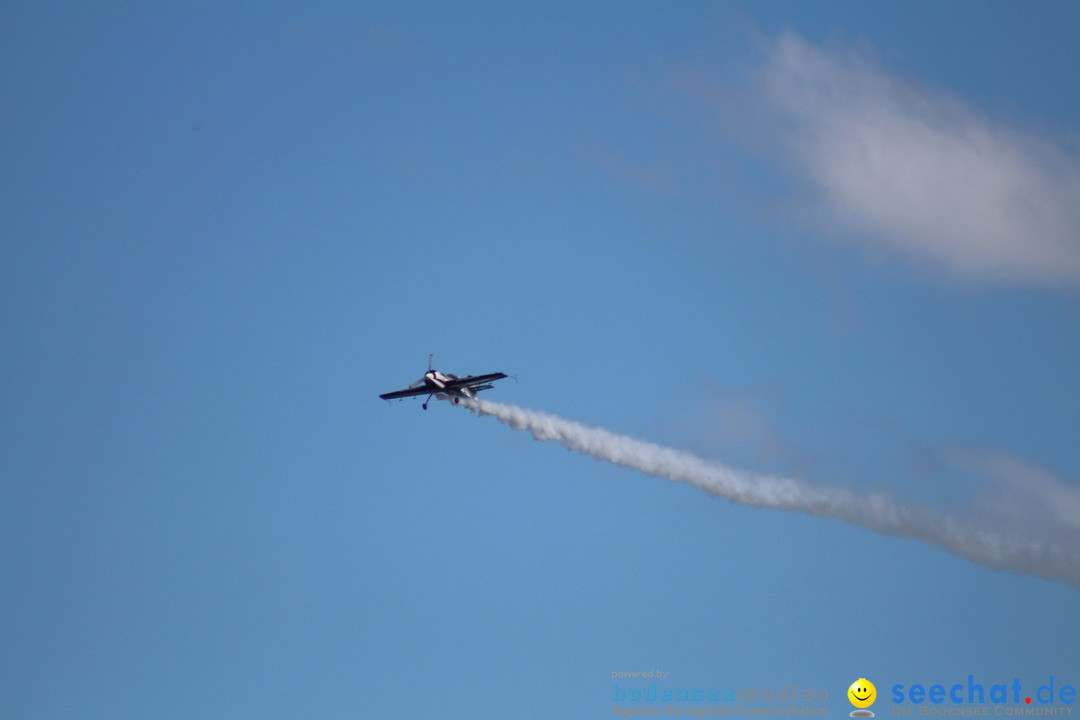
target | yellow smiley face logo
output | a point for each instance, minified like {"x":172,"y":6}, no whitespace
{"x":862,"y":693}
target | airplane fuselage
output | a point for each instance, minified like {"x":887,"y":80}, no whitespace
{"x":436,"y":382}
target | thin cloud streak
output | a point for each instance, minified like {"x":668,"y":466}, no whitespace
{"x":875,"y":511}
{"x":1016,"y":489}
{"x":916,"y":170}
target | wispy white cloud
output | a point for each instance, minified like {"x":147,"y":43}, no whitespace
{"x":1018,"y":492}
{"x":904,"y":167}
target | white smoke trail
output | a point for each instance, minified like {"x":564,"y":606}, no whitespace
{"x":875,"y":511}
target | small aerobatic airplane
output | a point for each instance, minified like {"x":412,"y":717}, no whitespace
{"x":446,"y":387}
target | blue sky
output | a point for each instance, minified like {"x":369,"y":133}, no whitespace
{"x":836,"y":242}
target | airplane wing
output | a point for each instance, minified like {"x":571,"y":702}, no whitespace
{"x":408,"y":392}
{"x":472,"y":381}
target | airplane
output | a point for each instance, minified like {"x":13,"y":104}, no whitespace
{"x":446,"y":386}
